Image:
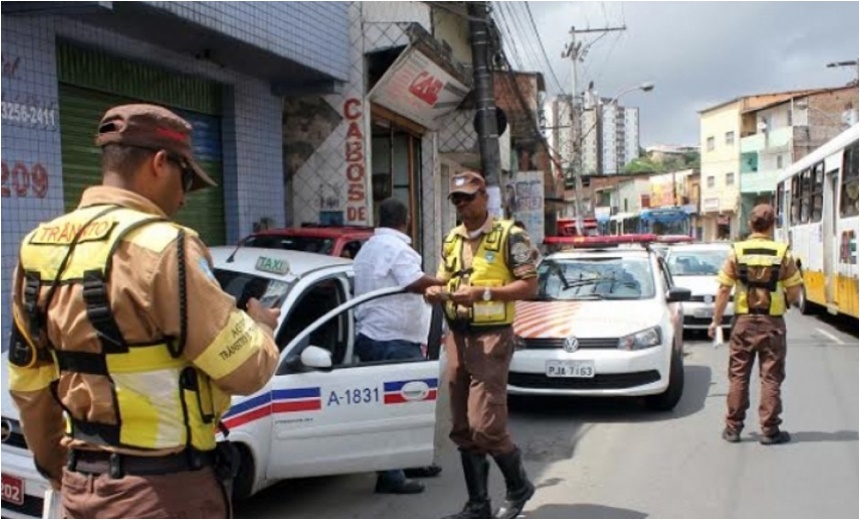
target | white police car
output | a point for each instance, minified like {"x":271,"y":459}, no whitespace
{"x":605,"y":322}
{"x":324,"y":412}
{"x":695,"y":267}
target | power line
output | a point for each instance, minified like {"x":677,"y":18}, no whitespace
{"x":543,"y":49}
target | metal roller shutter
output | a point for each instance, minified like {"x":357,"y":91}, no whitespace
{"x":82,"y":105}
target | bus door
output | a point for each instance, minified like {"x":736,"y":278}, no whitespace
{"x":831,"y":245}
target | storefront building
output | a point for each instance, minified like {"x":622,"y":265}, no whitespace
{"x":347,"y":152}
{"x":225,"y":67}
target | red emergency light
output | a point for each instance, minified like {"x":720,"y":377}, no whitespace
{"x":580,"y":242}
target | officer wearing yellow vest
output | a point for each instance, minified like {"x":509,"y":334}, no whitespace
{"x":766,"y":280}
{"x":120,"y":323}
{"x":487,"y":265}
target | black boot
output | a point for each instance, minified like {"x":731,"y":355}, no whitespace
{"x":520,"y":489}
{"x":476,"y":469}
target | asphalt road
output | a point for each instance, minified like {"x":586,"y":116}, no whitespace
{"x":613,"y":459}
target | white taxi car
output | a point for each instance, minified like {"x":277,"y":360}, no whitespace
{"x":695,"y":267}
{"x":324,"y":412}
{"x":605,"y":322}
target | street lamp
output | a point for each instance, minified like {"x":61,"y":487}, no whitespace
{"x":850,"y":63}
{"x":644,"y":87}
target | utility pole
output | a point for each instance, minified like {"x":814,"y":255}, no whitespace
{"x":487,"y":126}
{"x":575,"y":52}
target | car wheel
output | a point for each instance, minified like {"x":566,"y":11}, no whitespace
{"x":667,"y":400}
{"x":244,"y":481}
{"x":805,"y":306}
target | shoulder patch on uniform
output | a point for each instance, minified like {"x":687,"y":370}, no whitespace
{"x":521,"y":252}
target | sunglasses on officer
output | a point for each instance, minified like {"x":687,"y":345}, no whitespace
{"x":187,"y":172}
{"x":457,"y":198}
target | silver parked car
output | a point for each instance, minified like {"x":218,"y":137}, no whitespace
{"x":695,"y":267}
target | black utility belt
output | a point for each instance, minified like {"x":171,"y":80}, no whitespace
{"x":118,"y":465}
{"x":759,"y":312}
{"x":465,"y":327}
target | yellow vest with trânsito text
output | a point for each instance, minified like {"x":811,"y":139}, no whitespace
{"x":160,"y":399}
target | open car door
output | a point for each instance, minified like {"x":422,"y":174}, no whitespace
{"x":330,"y":418}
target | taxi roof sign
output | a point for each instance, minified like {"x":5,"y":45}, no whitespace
{"x":272,"y":265}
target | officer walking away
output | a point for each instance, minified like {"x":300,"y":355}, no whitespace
{"x":393,"y":327}
{"x":488,"y":264}
{"x":120,"y":323}
{"x":766,"y":280}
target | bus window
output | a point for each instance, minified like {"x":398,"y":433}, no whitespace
{"x":817,"y":193}
{"x":805,"y":195}
{"x":780,"y":189}
{"x":848,"y":206}
{"x":795,"y":200}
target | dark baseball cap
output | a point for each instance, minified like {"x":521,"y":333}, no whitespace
{"x":762,"y":217}
{"x":466,"y":182}
{"x":153,"y":127}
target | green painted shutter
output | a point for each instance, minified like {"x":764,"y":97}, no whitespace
{"x":83,"y":76}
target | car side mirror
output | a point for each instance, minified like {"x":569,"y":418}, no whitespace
{"x":678,"y":294}
{"x":319,"y":358}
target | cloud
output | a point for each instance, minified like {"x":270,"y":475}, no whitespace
{"x":697,"y":54}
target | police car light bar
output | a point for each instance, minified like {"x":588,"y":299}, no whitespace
{"x":585,"y":242}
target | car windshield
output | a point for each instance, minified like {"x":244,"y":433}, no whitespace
{"x":319,"y":245}
{"x":595,"y":279}
{"x":697,"y":263}
{"x":243,"y":286}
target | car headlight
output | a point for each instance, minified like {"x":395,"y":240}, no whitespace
{"x":643,"y":339}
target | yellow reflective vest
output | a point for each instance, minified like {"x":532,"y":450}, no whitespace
{"x":160,"y":399}
{"x":489,"y":269}
{"x":762,"y":255}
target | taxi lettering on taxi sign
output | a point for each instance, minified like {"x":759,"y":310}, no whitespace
{"x":272,"y":265}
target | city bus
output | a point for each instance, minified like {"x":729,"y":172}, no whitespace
{"x":817,"y":214}
{"x":665,"y":221}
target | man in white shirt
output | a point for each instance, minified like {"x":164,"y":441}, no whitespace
{"x":393,"y":327}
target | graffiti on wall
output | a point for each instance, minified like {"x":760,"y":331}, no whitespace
{"x":24,"y":180}
{"x":356,"y":174}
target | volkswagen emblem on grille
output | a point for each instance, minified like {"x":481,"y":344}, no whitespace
{"x":708,"y":298}
{"x":5,"y":430}
{"x":571,"y":344}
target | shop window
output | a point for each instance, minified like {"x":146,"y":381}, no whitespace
{"x":848,"y":203}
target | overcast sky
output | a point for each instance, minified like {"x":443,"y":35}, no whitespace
{"x":697,"y":54}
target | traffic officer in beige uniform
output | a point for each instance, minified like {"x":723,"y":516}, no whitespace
{"x":119,"y":322}
{"x":766,"y":280}
{"x":487,"y":264}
